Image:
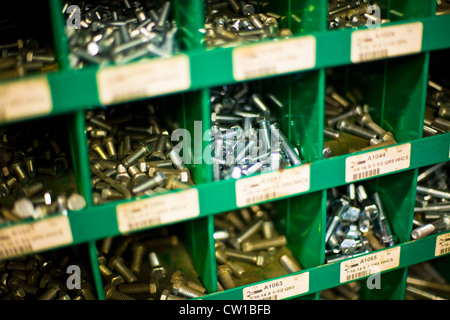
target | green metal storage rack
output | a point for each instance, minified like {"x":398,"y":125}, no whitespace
{"x":394,"y":84}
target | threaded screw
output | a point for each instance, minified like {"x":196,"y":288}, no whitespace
{"x":181,"y":289}
{"x":134,"y":156}
{"x":117,"y":264}
{"x":166,"y":295}
{"x":285,"y":144}
{"x":289,"y":264}
{"x":136,"y":259}
{"x":158,"y":271}
{"x":260,"y":259}
{"x":356,"y":130}
{"x":250,"y":230}
{"x":264,"y":243}
{"x":179,"y":276}
{"x":112,"y":294}
{"x":158,"y":180}
{"x":225,"y":278}
{"x":138,"y":288}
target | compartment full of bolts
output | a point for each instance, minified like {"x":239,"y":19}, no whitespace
{"x":61,"y":274}
{"x":249,"y":248}
{"x":131,"y":154}
{"x":149,"y":265}
{"x":427,"y":281}
{"x":432,"y":211}
{"x":233,"y":22}
{"x":117,"y":32}
{"x":36,"y":177}
{"x":356,"y":223}
{"x":26,"y":48}
{"x":247,"y":137}
{"x":349,"y":125}
{"x":354,"y":14}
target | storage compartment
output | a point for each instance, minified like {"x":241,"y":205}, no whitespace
{"x":38,"y":177}
{"x":156,"y":264}
{"x":26,"y":45}
{"x":62,"y":274}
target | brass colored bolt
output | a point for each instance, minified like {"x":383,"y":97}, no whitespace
{"x":117,"y":264}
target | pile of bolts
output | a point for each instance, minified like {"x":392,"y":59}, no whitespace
{"x":247,"y":136}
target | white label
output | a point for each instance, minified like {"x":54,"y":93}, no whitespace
{"x":386,"y":42}
{"x":158,"y":210}
{"x":277,"y":57}
{"x":377,"y":162}
{"x":25,"y":99}
{"x":370,"y":264}
{"x":143,"y":79}
{"x":272,"y":185}
{"x":442,"y":244}
{"x":278,"y":289}
{"x":31,"y":237}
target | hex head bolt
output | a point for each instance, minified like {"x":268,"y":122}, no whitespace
{"x":32,"y":189}
{"x":136,"y":258}
{"x":111,"y":293}
{"x":110,"y":146}
{"x":166,"y":295}
{"x":18,"y":169}
{"x":385,"y":229}
{"x":383,"y":135}
{"x":250,"y":230}
{"x":98,"y":148}
{"x":28,"y":288}
{"x":370,"y":208}
{"x":430,"y":228}
{"x":134,"y":156}
{"x":433,"y":192}
{"x":86,"y":291}
{"x":289,"y":264}
{"x":337,"y":213}
{"x":179,"y":288}
{"x":117,"y":264}
{"x":225,"y":278}
{"x":285,"y":144}
{"x":159,"y":179}
{"x":235,"y":268}
{"x":179,"y":276}
{"x":259,"y":259}
{"x":157,"y":272}
{"x":263,"y":244}
{"x":348,"y":127}
{"x":355,"y":111}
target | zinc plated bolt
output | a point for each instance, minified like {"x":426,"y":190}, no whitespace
{"x":433,"y":192}
{"x":183,"y":290}
{"x":341,"y":206}
{"x":285,"y":144}
{"x":430,"y":228}
{"x":117,"y":264}
{"x":385,"y":230}
{"x":355,"y":111}
{"x":263,"y":244}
